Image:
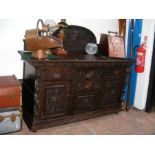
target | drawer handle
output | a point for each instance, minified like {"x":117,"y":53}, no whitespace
{"x":1,"y":118}
{"x":11,"y":96}
{"x":12,"y":117}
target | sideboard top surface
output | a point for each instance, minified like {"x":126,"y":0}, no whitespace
{"x":78,"y":58}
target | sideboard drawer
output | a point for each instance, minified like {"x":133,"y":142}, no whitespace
{"x":87,"y":84}
{"x":116,"y":72}
{"x":84,"y":102}
{"x":89,"y":73}
{"x":54,"y":74}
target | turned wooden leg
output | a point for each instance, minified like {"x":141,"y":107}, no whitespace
{"x":125,"y":106}
{"x":33,"y":129}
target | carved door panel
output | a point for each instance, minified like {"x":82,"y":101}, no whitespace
{"x":83,"y":102}
{"x":111,"y":93}
{"x":54,"y":99}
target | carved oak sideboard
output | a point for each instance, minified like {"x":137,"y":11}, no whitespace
{"x":72,"y":88}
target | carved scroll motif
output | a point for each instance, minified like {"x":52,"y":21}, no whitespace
{"x":112,"y":92}
{"x":36,"y":98}
{"x":54,"y":100}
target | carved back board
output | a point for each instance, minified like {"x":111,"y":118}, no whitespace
{"x":76,"y":38}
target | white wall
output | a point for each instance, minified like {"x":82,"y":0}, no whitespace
{"x":11,"y":40}
{"x":143,"y":78}
{"x":12,"y":34}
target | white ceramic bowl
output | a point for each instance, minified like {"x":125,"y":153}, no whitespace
{"x":91,"y":48}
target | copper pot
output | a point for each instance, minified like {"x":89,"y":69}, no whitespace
{"x":39,"y":54}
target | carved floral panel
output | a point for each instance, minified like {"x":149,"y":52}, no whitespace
{"x":54,"y":99}
{"x":112,"y":92}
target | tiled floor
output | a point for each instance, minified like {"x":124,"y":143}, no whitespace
{"x":133,"y":122}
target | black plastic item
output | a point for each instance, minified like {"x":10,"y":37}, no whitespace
{"x":150,"y":102}
{"x":76,"y":38}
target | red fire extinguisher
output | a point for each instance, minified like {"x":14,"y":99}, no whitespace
{"x":140,"y":57}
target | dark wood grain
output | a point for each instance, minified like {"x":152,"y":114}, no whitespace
{"x":72,"y":88}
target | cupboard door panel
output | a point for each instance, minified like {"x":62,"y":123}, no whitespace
{"x":111,"y":93}
{"x":54,"y":99}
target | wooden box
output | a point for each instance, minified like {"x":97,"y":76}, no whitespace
{"x":10,"y":120}
{"x":9,"y":92}
{"x":112,"y":46}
